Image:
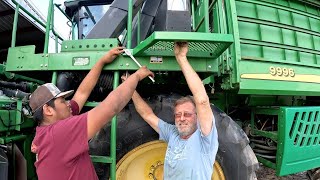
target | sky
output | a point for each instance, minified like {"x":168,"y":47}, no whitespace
{"x":59,"y":19}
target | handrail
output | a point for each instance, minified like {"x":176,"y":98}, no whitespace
{"x":54,"y":74}
{"x":71,"y":20}
{"x":15,"y":26}
{"x":139,"y":28}
{"x":58,"y":6}
{"x":36,"y":19}
{"x":48,"y":26}
{"x":113,"y":138}
{"x":129,"y":25}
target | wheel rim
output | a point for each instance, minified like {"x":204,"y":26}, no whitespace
{"x":217,"y":172}
{"x":146,"y":162}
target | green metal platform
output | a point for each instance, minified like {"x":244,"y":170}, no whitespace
{"x":206,"y":45}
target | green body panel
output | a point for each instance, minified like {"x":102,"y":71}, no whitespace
{"x":23,"y":58}
{"x":299,"y":139}
{"x":278,"y":33}
{"x":295,"y":85}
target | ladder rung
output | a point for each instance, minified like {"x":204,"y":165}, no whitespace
{"x":91,"y":104}
{"x":101,"y":159}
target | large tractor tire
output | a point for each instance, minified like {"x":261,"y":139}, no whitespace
{"x":314,"y":174}
{"x":140,"y":155}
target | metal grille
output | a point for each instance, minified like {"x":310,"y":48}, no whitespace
{"x":204,"y":45}
{"x":196,"y":49}
{"x":305,"y":129}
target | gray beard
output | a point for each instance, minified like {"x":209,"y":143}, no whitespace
{"x":188,"y":132}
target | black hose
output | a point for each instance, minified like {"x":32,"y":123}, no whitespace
{"x":263,"y":151}
{"x":266,"y":156}
{"x":273,"y":148}
{"x":258,"y":141}
{"x":15,"y":93}
{"x":23,"y":86}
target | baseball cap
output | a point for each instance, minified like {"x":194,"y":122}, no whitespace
{"x":44,"y":93}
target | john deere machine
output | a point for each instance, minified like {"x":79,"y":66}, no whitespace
{"x":259,"y":61}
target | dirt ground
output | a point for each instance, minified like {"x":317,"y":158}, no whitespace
{"x":269,"y":174}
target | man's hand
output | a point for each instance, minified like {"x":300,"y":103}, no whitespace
{"x":124,"y":77}
{"x":143,"y":72}
{"x":112,"y":54}
{"x":180,"y":49}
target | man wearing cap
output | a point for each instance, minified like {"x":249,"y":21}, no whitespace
{"x":61,"y":141}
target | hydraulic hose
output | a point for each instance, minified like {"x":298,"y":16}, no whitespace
{"x":266,"y":156}
{"x":23,"y":86}
{"x":272,"y":148}
{"x":15,"y":93}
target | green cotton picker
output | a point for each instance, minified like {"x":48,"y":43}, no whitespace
{"x":259,"y":61}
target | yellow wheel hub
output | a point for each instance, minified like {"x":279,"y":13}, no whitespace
{"x":146,"y":162}
{"x":217,"y":172}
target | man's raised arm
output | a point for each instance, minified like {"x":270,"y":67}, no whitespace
{"x":204,"y":112}
{"x":88,"y":83}
{"x":145,"y":111}
{"x":114,"y":102}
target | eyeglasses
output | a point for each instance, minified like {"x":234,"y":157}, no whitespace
{"x":185,"y":114}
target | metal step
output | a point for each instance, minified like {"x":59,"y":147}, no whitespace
{"x":101,"y":159}
{"x":206,"y":45}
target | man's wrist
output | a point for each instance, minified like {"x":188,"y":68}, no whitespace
{"x":181,"y":57}
{"x":106,"y":59}
{"x":101,"y":62}
{"x":138,"y":76}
